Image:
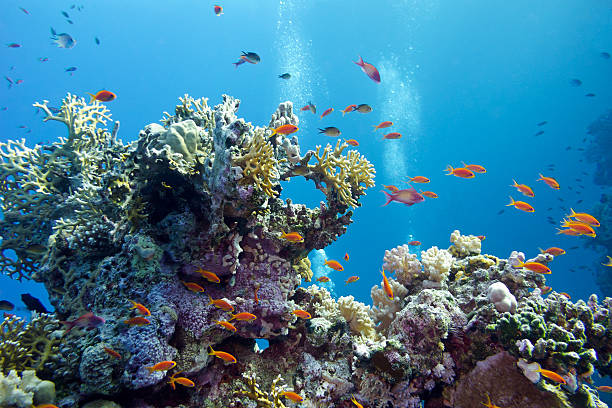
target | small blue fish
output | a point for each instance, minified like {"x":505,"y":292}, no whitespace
{"x":97,"y":40}
{"x":590,"y":95}
{"x":575,"y":82}
{"x":63,"y":40}
{"x":70,"y":69}
{"x":605,"y":55}
{"x":65,"y":14}
{"x":286,"y":75}
{"x":69,"y":21}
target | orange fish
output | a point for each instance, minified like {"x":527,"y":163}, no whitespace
{"x":227,"y":357}
{"x":554,"y":251}
{"x":567,"y":295}
{"x":523,"y":188}
{"x":568,"y":231}
{"x":226,"y":325}
{"x":521,"y":205}
{"x":546,"y":289}
{"x":45,"y":405}
{"x":162,"y":366}
{"x":348,"y":109}
{"x":327,"y":112}
{"x":386,"y":286}
{"x":218,"y":10}
{"x":351,"y":279}
{"x":585,"y":218}
{"x":335,"y":265}
{"x":354,"y":401}
{"x":302,"y":314}
{"x":194,"y":287}
{"x":604,"y":388}
{"x":476,"y":168}
{"x":414,"y":243}
{"x":429,"y":194}
{"x":481,"y":237}
{"x":391,"y":188}
{"x":552,"y":183}
{"x":551,"y":375}
{"x":292,"y":396}
{"x":102,"y":96}
{"x":221,"y":304}
{"x":180,"y":380}
{"x":460,"y":172}
{"x":346,"y":256}
{"x":137,"y":321}
{"x":352,"y":142}
{"x":323,"y":279}
{"x":383,"y":125}
{"x":292,"y":237}
{"x":392,"y":135}
{"x":285,"y":130}
{"x":419,"y":179}
{"x":209,"y":276}
{"x":140,"y":308}
{"x":580,"y":227}
{"x":535,"y":267}
{"x":112,"y":352}
{"x":255,"y":297}
{"x":243,"y":317}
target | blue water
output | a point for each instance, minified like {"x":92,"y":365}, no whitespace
{"x":463,"y":81}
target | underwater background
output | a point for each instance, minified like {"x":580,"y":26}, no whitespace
{"x":468,"y":81}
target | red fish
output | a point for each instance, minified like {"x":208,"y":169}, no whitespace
{"x":112,"y":352}
{"x":208,"y":275}
{"x":391,"y":188}
{"x":335,"y":265}
{"x":227,"y":357}
{"x":429,"y":194}
{"x":523,"y":188}
{"x":88,"y":320}
{"x":302,"y":314}
{"x":387,"y":286}
{"x":102,"y":96}
{"x":408,"y":196}
{"x":419,"y":179}
{"x":348,"y":109}
{"x":351,"y":279}
{"x":140,"y":308}
{"x":554,"y":251}
{"x":383,"y":125}
{"x":521,"y":205}
{"x":180,"y":380}
{"x":13,"y":45}
{"x":24,"y":10}
{"x":476,"y":168}
{"x":221,"y":304}
{"x":392,"y":135}
{"x":414,"y":243}
{"x":352,"y":142}
{"x":137,"y":321}
{"x":162,"y":366}
{"x":285,"y":129}
{"x":552,"y":183}
{"x":311,"y":107}
{"x":462,"y":172}
{"x":218,"y":10}
{"x":323,"y":279}
{"x":346,"y":256}
{"x":327,"y":112}
{"x":243,"y":317}
{"x":226,"y":325}
{"x":369,"y":70}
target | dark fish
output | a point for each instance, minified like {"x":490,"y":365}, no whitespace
{"x":590,"y":95}
{"x":33,"y":304}
{"x":97,"y":40}
{"x":500,"y":212}
{"x":69,"y":21}
{"x":363,"y":108}
{"x":580,"y":149}
{"x":541,"y":132}
{"x":65,"y":14}
{"x":24,"y":10}
{"x":13,"y":45}
{"x":4,"y":108}
{"x":578,"y":179}
{"x":286,"y":75}
{"x":72,"y":7}
{"x":605,"y":55}
{"x":575,"y":247}
{"x":551,"y":222}
{"x":584,"y":140}
{"x":569,"y":188}
{"x":549,"y":208}
{"x":6,"y":305}
{"x":559,"y":198}
{"x":575,"y":82}
{"x":70,"y":69}
{"x":251,"y":57}
{"x":579,"y":201}
{"x":568,"y":148}
{"x":542,"y":123}
{"x":43,"y":59}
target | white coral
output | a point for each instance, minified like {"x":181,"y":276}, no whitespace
{"x":403,"y":263}
{"x":357,"y":316}
{"x":500,"y":295}
{"x":466,"y":245}
{"x":437,"y":263}
{"x":384,"y":309}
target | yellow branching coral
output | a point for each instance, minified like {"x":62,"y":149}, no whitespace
{"x":259,"y":164}
{"x":27,"y":346}
{"x":346,"y":176}
{"x":302,"y":267}
{"x":263,"y":399}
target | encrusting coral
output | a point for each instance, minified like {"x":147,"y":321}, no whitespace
{"x":188,"y":221}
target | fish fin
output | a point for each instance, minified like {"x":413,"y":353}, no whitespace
{"x":515,"y":183}
{"x":93,"y":97}
{"x":212,"y":352}
{"x":232,"y":318}
{"x":511,"y":202}
{"x":273,"y":132}
{"x":53,"y":32}
{"x":450,"y":169}
{"x":360,"y":62}
{"x":573,"y":213}
{"x":389,"y":198}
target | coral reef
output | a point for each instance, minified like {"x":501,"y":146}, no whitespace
{"x":188,"y":221}
{"x":25,"y":391}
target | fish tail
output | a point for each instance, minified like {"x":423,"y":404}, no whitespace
{"x":541,"y":250}
{"x":273,"y":132}
{"x":573,"y":213}
{"x":541,"y":176}
{"x":232,"y":318}
{"x":449,"y":168}
{"x":389,"y":198}
{"x":511,"y":202}
{"x":211,"y":301}
{"x":69,"y":325}
{"x":93,"y":97}
{"x":375,"y":128}
{"x":360,"y":62}
{"x":151,"y":369}
{"x":212,"y":352}
{"x":515,"y":183}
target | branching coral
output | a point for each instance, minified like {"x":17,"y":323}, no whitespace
{"x":345,"y":177}
{"x":263,"y":399}
{"x":27,"y":346}
{"x":259,"y":166}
